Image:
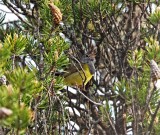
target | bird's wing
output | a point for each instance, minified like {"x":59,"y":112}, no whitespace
{"x":72,"y":69}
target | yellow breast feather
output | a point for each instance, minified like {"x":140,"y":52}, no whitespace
{"x":80,"y":77}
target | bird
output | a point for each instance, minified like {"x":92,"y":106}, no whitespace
{"x":80,"y":75}
{"x":155,"y":71}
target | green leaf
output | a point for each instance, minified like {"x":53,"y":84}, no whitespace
{"x":17,"y":43}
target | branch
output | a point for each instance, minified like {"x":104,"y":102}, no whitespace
{"x":153,"y":118}
{"x":149,"y":95}
{"x":16,"y":12}
{"x":111,"y":123}
{"x":89,"y":98}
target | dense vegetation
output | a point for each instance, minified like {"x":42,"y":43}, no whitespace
{"x":122,"y":97}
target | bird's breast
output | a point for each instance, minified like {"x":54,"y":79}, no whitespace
{"x":79,"y":78}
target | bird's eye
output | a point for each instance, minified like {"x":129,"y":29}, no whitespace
{"x":87,"y":56}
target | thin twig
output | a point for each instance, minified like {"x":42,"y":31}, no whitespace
{"x":17,"y":14}
{"x":44,"y":122}
{"x":153,"y":118}
{"x":111,"y":123}
{"x":89,"y":98}
{"x":150,"y":91}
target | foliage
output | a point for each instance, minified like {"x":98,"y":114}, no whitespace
{"x":121,"y":37}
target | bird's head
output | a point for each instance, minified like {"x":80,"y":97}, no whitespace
{"x":90,"y":62}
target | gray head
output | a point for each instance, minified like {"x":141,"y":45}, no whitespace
{"x":90,"y":62}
